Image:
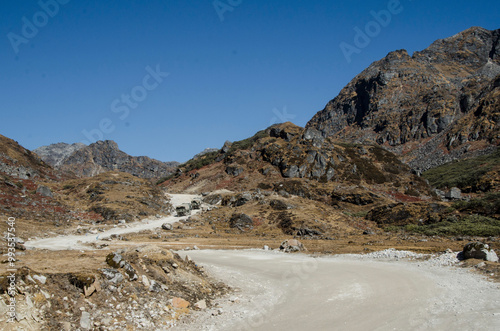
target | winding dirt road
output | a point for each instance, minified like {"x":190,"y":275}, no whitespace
{"x":298,"y":292}
{"x":79,"y":241}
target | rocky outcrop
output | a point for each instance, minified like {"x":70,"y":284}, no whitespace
{"x":479,"y":250}
{"x":241,"y":221}
{"x":54,"y":154}
{"x":432,"y":106}
{"x":105,"y":156}
{"x":292,"y":245}
{"x":400,"y":214}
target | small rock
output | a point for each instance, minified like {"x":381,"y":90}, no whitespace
{"x":202,"y":304}
{"x":44,"y":191}
{"x":145,"y":281}
{"x":179,"y":303}
{"x":42,"y":279}
{"x":85,"y":321}
{"x":167,"y":226}
{"x":266,"y":248}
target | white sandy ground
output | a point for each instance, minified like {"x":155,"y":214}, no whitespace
{"x":79,"y":241}
{"x":297,"y":292}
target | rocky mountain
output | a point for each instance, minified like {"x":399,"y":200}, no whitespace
{"x":299,"y":161}
{"x":103,"y":156}
{"x":23,"y":184}
{"x":20,"y":163}
{"x":433,"y":107}
{"x":54,"y":154}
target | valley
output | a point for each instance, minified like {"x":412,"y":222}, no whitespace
{"x":386,"y":200}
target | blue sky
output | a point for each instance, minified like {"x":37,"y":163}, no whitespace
{"x":168,"y":79}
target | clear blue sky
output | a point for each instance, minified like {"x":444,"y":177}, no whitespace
{"x":231,"y":71}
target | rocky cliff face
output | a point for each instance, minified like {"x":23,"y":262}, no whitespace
{"x":54,"y":154}
{"x":105,"y":156}
{"x":438,"y":105}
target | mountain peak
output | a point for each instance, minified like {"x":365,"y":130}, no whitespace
{"x":425,"y":106}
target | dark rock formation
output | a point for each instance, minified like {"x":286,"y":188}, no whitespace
{"x":479,"y":250}
{"x":240,"y":221}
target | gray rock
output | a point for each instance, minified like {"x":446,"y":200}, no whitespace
{"x":234,"y":170}
{"x":42,"y":279}
{"x":202,"y":304}
{"x":240,"y":221}
{"x":85,"y":322}
{"x":292,"y":245}
{"x":227,"y":146}
{"x":167,"y":226}
{"x":44,"y":191}
{"x":453,"y":193}
{"x":113,"y":275}
{"x":213,"y":199}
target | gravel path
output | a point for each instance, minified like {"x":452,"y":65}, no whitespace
{"x":80,"y":241}
{"x":377,"y":291}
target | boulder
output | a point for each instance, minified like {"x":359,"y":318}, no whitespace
{"x":454,"y":193}
{"x":167,"y":226}
{"x":44,"y":191}
{"x":292,"y":245}
{"x":213,"y":199}
{"x":113,"y":275}
{"x":278,"y":205}
{"x":240,"y":221}
{"x":479,"y":250}
{"x":303,"y":232}
{"x":234,"y":170}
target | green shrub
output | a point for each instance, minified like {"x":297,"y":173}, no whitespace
{"x":463,"y":174}
{"x":471,"y":225}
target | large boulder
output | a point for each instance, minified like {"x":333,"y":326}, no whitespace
{"x":240,"y":221}
{"x":44,"y":191}
{"x":213,"y":199}
{"x":479,"y":250}
{"x":292,"y":245}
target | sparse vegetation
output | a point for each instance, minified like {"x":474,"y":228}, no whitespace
{"x":489,"y":205}
{"x":247,"y":143}
{"x":470,"y":225}
{"x":466,"y":174}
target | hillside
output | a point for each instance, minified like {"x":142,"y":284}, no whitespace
{"x":433,"y":107}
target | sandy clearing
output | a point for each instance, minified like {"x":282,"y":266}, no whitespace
{"x":298,"y":292}
{"x":80,"y":241}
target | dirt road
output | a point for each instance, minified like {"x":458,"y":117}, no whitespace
{"x":79,"y":241}
{"x":297,"y":292}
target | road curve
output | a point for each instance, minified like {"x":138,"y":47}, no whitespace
{"x":298,"y":292}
